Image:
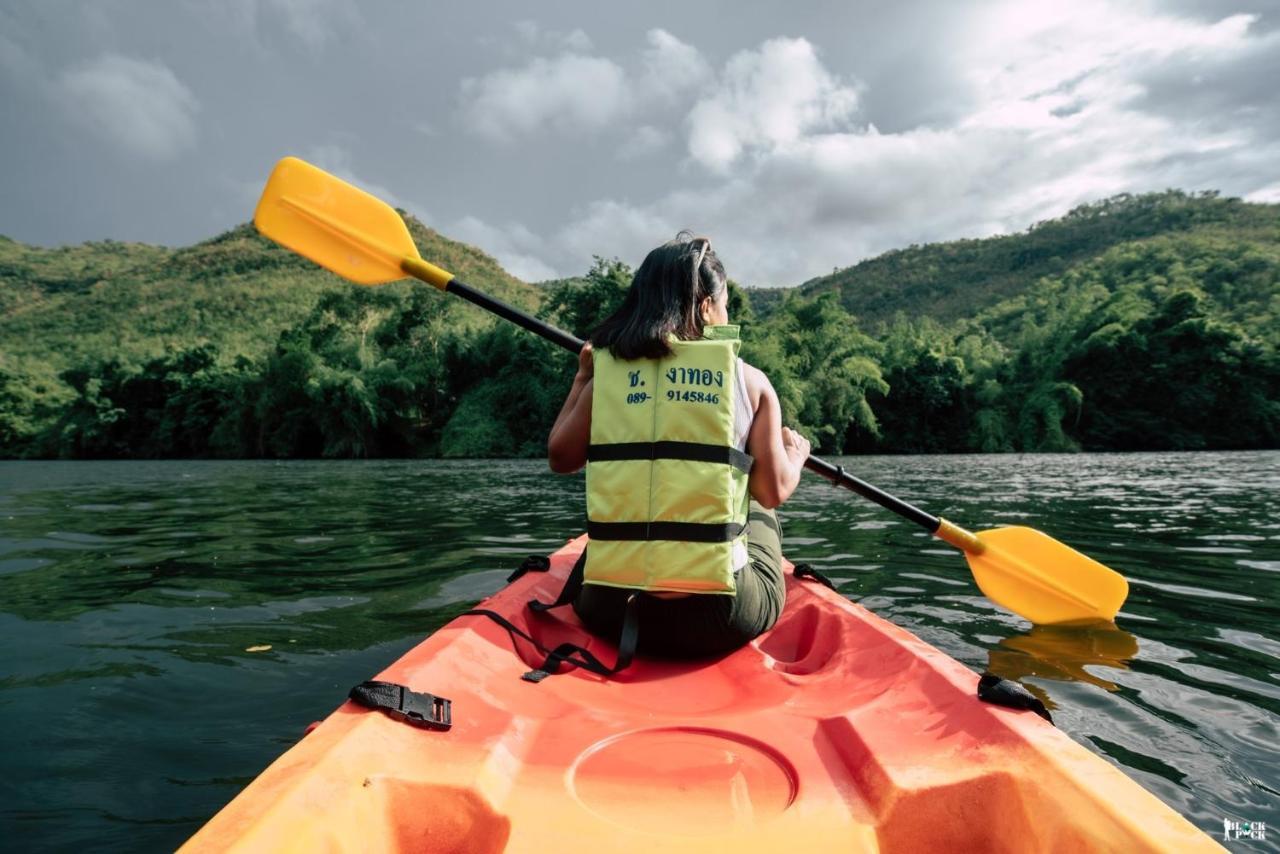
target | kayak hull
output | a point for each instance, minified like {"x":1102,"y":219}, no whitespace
{"x":835,"y":730}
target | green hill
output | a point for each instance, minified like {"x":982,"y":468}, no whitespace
{"x":1140,"y":322}
{"x":958,"y":279}
{"x":237,"y":291}
{"x":93,"y":334}
{"x":1167,"y":337}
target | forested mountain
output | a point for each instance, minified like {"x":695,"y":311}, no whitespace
{"x":237,"y":291}
{"x":957,"y":279}
{"x":1136,"y":323}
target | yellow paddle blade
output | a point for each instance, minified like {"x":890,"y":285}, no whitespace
{"x":340,"y":227}
{"x":1049,"y":583}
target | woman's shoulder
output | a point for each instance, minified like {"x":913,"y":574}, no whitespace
{"x":757,"y":383}
{"x":752,"y":374}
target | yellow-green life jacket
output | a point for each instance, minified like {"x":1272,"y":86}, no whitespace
{"x":666,"y":488}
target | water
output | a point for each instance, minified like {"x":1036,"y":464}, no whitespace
{"x":131,"y":708}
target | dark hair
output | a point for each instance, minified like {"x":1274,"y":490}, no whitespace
{"x":665,"y":295}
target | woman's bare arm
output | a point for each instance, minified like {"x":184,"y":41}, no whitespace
{"x":570,"y":435}
{"x":779,"y":451}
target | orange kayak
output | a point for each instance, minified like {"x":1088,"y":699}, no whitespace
{"x":834,"y":731}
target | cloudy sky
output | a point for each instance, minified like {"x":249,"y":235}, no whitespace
{"x":798,"y":139}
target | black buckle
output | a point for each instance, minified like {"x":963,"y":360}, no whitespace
{"x":416,"y":708}
{"x":423,"y":710}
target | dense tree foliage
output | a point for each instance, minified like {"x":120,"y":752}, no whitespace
{"x":821,"y":366}
{"x":1138,"y":323}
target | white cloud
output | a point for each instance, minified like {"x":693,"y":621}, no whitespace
{"x":765,"y":98}
{"x":642,"y":141}
{"x":1269,"y":194}
{"x":317,"y":22}
{"x":529,"y":31}
{"x":575,"y":92}
{"x":314,"y":23}
{"x":818,"y":204}
{"x":570,"y":92}
{"x":337,"y":160}
{"x":1063,"y":112}
{"x":140,"y":106}
{"x":671,"y":69}
{"x":611,"y":228}
{"x":578,"y":41}
{"x":1030,"y":59}
{"x":514,"y":246}
{"x":533,"y":35}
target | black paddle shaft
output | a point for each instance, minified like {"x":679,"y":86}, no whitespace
{"x":515,"y":315}
{"x":833,"y":473}
{"x":838,"y":476}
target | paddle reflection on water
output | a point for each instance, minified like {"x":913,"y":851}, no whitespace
{"x":1063,"y":654}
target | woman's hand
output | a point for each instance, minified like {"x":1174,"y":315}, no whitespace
{"x":586,"y":365}
{"x":796,"y":446}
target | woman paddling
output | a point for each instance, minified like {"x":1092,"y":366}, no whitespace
{"x":686,"y":458}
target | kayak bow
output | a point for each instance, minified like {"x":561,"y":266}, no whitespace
{"x":836,"y":730}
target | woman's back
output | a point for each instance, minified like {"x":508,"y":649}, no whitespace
{"x":674,"y":519}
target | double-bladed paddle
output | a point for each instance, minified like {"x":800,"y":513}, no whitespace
{"x":358,"y":236}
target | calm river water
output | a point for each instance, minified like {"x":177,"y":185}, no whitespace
{"x":130,"y":593}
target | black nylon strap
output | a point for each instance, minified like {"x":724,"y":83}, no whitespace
{"x":694,"y":451}
{"x":533,"y":563}
{"x":629,"y":638}
{"x":572,"y":586}
{"x":804,"y":570}
{"x":565,"y":653}
{"x":689,"y":532}
{"x":1006,"y":692}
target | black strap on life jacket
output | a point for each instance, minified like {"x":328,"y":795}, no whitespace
{"x":416,"y":708}
{"x":699,"y":452}
{"x":689,"y":532}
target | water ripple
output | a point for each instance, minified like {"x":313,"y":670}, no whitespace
{"x":137,"y":589}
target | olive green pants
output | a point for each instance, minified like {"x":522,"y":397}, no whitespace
{"x":699,"y":624}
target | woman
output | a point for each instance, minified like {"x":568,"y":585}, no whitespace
{"x":673,"y":376}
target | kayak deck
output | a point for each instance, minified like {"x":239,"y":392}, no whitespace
{"x":836,"y":730}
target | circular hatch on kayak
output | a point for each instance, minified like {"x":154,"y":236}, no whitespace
{"x":683,"y":780}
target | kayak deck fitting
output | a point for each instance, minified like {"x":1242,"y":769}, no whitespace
{"x":836,"y":730}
